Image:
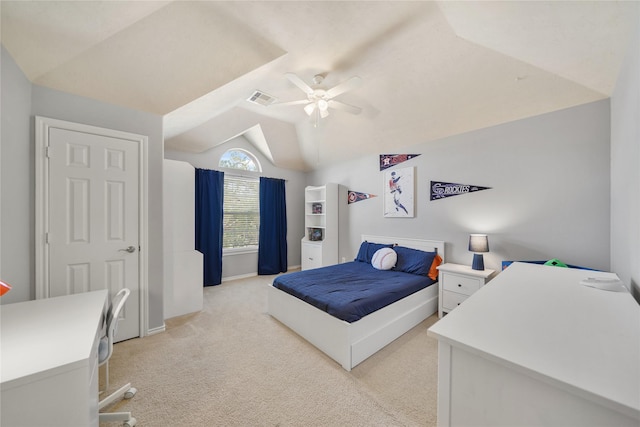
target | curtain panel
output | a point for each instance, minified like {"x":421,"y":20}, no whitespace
{"x":272,"y":240}
{"x":209,"y":200}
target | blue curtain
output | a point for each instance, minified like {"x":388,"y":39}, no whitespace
{"x":272,"y":241}
{"x":209,"y":199}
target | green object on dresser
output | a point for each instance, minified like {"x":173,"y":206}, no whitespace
{"x":556,"y":263}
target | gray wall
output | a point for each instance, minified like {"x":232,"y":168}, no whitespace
{"x":625,"y":173}
{"x":17,"y":184}
{"x":20,"y":186}
{"x":549,"y":199}
{"x":554,"y":192}
{"x":247,"y":264}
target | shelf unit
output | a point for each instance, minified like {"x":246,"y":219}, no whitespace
{"x":320,"y":240}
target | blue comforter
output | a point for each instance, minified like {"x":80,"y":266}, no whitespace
{"x":351,"y":290}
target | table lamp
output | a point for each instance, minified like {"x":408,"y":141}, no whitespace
{"x":478,"y":243}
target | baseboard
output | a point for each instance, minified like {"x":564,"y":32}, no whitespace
{"x":156,"y":330}
{"x":245,"y":276}
{"x":241,"y":276}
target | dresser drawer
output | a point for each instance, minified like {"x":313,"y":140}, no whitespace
{"x":460,"y":284}
{"x":311,"y":256}
{"x":451,"y":300}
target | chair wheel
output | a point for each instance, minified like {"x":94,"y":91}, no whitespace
{"x":130,"y":422}
{"x":130,"y":393}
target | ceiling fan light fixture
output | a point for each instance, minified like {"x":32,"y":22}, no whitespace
{"x":309,"y":108}
{"x":319,"y":99}
{"x":322,"y":105}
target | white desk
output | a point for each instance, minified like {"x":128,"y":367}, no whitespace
{"x":534,"y":347}
{"x":49,"y":360}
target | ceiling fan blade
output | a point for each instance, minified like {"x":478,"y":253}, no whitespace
{"x":302,"y":101}
{"x":352,"y":83}
{"x":345,"y":107}
{"x":298,"y":82}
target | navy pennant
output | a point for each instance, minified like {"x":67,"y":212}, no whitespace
{"x":441,"y":190}
{"x":355,"y":196}
{"x":388,"y":160}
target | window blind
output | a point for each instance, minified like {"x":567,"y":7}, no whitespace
{"x":241,"y":219}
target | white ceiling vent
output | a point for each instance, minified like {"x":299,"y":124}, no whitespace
{"x":261,"y":98}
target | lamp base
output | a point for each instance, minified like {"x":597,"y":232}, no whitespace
{"x":478,"y":262}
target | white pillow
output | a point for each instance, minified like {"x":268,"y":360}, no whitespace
{"x":384,"y":259}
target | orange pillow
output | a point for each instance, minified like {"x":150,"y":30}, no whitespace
{"x":433,"y":271}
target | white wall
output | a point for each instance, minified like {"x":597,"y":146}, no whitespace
{"x":19,"y":190}
{"x":625,"y":170}
{"x":549,"y":199}
{"x":239,"y":265}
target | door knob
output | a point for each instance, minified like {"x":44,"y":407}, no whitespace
{"x":130,"y":249}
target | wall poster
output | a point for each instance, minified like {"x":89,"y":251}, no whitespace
{"x":398,"y":193}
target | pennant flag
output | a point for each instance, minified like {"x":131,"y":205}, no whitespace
{"x":441,"y":190}
{"x":355,"y":196}
{"x":4,"y":288}
{"x":388,"y":160}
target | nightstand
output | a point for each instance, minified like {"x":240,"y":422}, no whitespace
{"x":457,"y":283}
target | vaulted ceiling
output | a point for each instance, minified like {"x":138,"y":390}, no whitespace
{"x":429,"y":69}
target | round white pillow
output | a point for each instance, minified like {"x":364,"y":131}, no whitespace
{"x":384,"y":259}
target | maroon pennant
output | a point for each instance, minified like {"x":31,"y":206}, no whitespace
{"x":355,"y":196}
{"x":388,"y":160}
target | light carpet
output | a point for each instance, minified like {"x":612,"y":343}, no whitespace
{"x":234,"y":365}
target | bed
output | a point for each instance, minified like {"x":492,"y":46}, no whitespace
{"x":351,"y":342}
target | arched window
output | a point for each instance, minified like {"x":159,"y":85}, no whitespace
{"x":241,"y":205}
{"x":237,"y":158}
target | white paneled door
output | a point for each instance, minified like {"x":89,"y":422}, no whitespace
{"x":93,"y":218}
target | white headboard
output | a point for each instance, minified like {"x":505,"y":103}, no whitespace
{"x":423,"y":245}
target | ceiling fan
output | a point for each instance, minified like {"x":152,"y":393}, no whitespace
{"x":320,"y":99}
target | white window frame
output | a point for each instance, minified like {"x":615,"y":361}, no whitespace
{"x":246,"y":174}
{"x":248,"y":154}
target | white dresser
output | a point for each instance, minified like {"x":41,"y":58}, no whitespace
{"x":534,"y":347}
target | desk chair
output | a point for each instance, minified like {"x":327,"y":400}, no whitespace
{"x":104,"y":353}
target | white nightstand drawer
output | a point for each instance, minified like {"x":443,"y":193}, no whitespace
{"x":461,"y":284}
{"x":451,"y":300}
{"x":457,"y":283}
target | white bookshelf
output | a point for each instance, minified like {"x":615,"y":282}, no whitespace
{"x":320,"y":240}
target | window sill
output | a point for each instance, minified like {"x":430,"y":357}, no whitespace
{"x":239,"y":251}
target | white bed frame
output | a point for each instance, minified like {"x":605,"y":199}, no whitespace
{"x":351,"y":343}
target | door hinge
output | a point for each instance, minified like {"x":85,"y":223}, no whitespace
{"x":47,"y":152}
{"x":46,"y":238}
